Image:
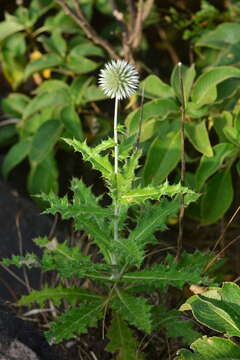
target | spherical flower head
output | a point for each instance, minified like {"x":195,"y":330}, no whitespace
{"x":119,"y":79}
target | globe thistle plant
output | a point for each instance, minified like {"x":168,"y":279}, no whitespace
{"x":118,"y":80}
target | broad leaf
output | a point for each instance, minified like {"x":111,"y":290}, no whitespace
{"x":212,"y":348}
{"x":47,"y":61}
{"x":198,"y":135}
{"x":188,"y":75}
{"x":207,"y":82}
{"x":209,"y":165}
{"x":44,"y":140}
{"x":160,"y":109}
{"x":218,"y":196}
{"x":9,"y":27}
{"x":154,"y":87}
{"x":72,"y":122}
{"x":15,"y":155}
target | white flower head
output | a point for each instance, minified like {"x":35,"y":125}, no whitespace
{"x":119,"y":79}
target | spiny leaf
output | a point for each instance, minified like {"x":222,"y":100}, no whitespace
{"x":122,"y":340}
{"x":56,"y":295}
{"x":139,"y":195}
{"x":99,"y":162}
{"x":134,"y":310}
{"x":160,"y":276}
{"x":153,"y":218}
{"x":75,"y":321}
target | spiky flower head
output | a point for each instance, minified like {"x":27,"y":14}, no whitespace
{"x":118,"y":79}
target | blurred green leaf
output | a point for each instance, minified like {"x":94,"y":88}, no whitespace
{"x":44,"y":141}
{"x":47,"y":61}
{"x":72,"y":122}
{"x":163,"y":156}
{"x":15,"y":155}
{"x":217,"y":197}
{"x":198,"y":135}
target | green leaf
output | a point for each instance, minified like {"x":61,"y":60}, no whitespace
{"x":188,"y":75}
{"x":207,"y":82}
{"x":163,"y":156}
{"x":9,"y":27}
{"x":87,"y":49}
{"x":160,"y":276}
{"x":218,"y":196}
{"x":198,"y":135}
{"x":99,"y":162}
{"x":52,"y":85}
{"x":223,"y":34}
{"x":153,"y":218}
{"x":46,"y":100}
{"x":15,"y":155}
{"x":15,"y":104}
{"x":75,"y":321}
{"x":80,"y":64}
{"x":122,"y":340}
{"x":216,"y":314}
{"x":47,"y":61}
{"x":135,"y":310}
{"x":72,"y":122}
{"x":43,"y":177}
{"x":209,"y":165}
{"x":175,"y":325}
{"x":212,"y":348}
{"x":160,"y":109}
{"x":139,"y":195}
{"x":7,"y":134}
{"x":56,"y":295}
{"x":154,"y":87}
{"x":44,"y":140}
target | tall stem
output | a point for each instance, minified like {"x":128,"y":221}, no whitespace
{"x":116,"y":208}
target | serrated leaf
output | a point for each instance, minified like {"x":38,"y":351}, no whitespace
{"x":207,"y":82}
{"x":56,"y":295}
{"x":135,"y":310}
{"x":75,"y":321}
{"x":153,"y":218}
{"x":198,"y":135}
{"x":163,"y":156}
{"x":160,"y":276}
{"x":139,"y":195}
{"x":15,"y":155}
{"x":100,"y":163}
{"x":122,"y":340}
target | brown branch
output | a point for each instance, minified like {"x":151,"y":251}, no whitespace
{"x":81,"y":20}
{"x":162,"y":34}
{"x":147,"y":8}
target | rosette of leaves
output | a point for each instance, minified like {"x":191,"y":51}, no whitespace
{"x":122,"y":289}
